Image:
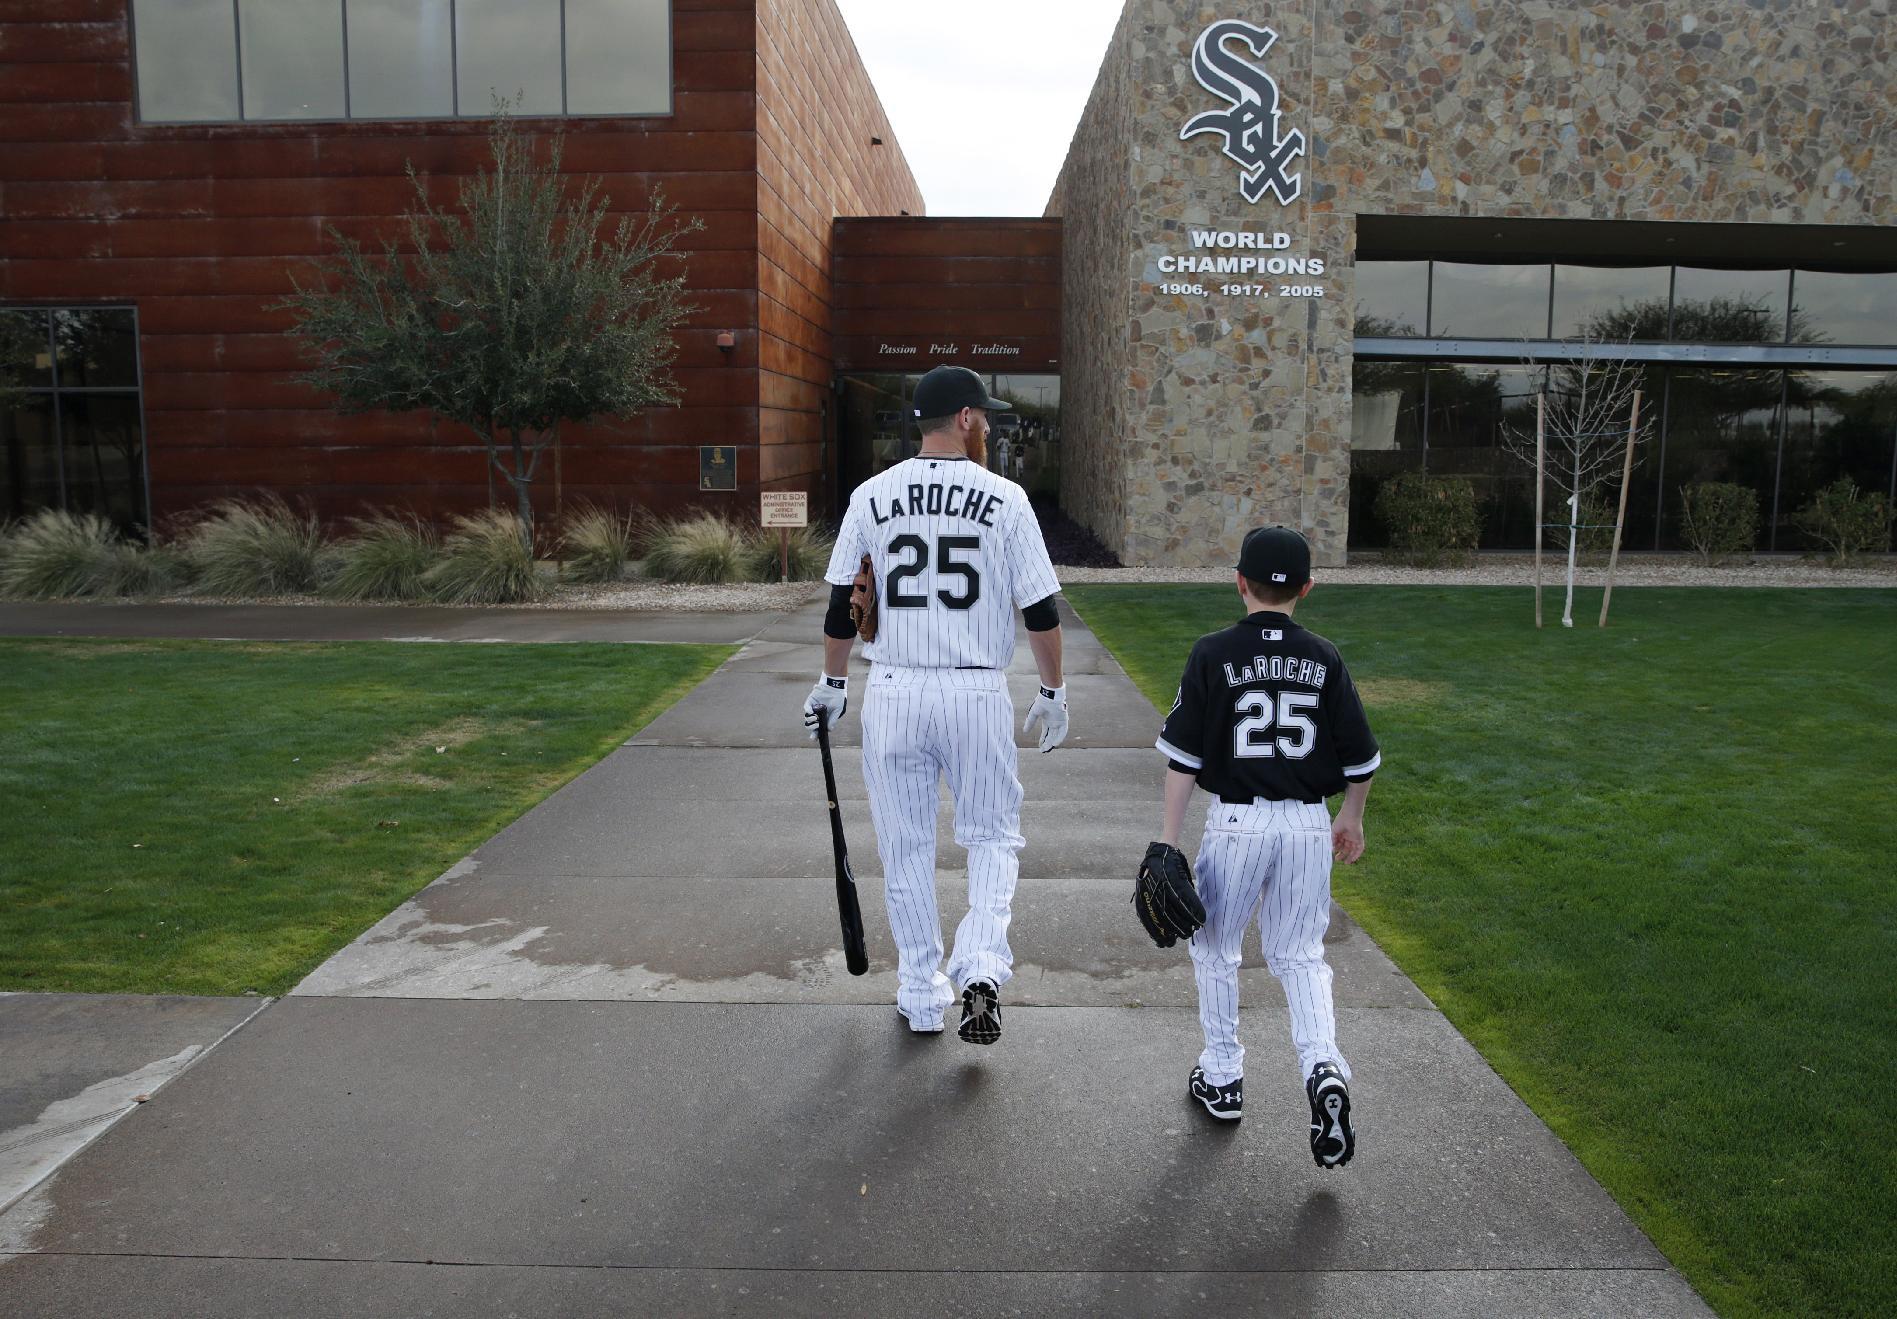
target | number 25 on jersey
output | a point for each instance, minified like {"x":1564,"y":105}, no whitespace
{"x":1251,"y":737}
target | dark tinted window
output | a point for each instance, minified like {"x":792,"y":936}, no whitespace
{"x":1488,"y":302}
{"x":1857,"y":308}
{"x":1392,"y":297}
{"x":1610,"y":303}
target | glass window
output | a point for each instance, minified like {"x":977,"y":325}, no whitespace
{"x":1488,"y":302}
{"x":1024,"y":441}
{"x":102,"y":441}
{"x":1722,"y":425}
{"x":98,"y":348}
{"x":1386,"y":438}
{"x":1729,"y":306}
{"x":1858,"y":308}
{"x":1838,"y":423}
{"x":1604,"y":449}
{"x":619,"y":57}
{"x":71,"y":434}
{"x":1612,"y":303}
{"x":1472,"y":411}
{"x":401,"y":59}
{"x":25,"y":361}
{"x":187,"y":60}
{"x":510,"y":49}
{"x":293,"y":58}
{"x":1392,"y":298}
{"x":29,"y":456}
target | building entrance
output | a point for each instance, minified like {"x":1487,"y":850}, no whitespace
{"x":876,"y":428}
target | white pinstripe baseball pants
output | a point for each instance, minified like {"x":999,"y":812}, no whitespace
{"x":1271,"y":860}
{"x":920,"y":725}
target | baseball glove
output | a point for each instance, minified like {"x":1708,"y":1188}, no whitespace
{"x":1167,"y":903}
{"x":863,"y":601}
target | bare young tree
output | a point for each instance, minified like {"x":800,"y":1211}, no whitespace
{"x":1587,"y":408}
{"x":509,"y":315}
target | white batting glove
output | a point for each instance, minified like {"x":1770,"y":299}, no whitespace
{"x":1049,"y":711}
{"x":832,"y":694}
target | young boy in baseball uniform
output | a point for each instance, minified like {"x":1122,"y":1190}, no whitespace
{"x":1268,"y":722}
{"x":954,"y":550}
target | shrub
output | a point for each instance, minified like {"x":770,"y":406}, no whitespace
{"x":256,"y":546}
{"x":135,"y":570}
{"x":598,"y":545}
{"x":1432,"y":520}
{"x":701,"y":548}
{"x":1719,"y":519}
{"x":485,"y":561}
{"x":385,"y":556}
{"x":1846,"y":521}
{"x":55,"y":554}
{"x":809,"y":554}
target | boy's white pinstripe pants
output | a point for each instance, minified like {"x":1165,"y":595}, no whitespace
{"x":1271,"y":860}
{"x":919,"y":726}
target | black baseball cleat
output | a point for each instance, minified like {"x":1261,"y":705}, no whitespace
{"x":981,"y":1013}
{"x":1224,"y":1102}
{"x":1332,"y":1141}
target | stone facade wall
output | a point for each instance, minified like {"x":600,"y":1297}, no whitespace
{"x":1768,"y":111}
{"x":1093,"y":199}
{"x":1217,"y":413}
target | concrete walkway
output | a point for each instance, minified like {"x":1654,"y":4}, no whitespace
{"x":612,"y":1064}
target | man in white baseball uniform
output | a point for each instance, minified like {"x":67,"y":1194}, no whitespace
{"x":954,"y":550}
{"x":1269,"y":723}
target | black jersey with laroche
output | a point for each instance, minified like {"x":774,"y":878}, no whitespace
{"x":1267,"y":709}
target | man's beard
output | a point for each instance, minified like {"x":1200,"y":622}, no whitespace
{"x":977,"y":447}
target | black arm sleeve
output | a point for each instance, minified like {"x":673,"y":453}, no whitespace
{"x":836,"y":622}
{"x":1041,"y":616}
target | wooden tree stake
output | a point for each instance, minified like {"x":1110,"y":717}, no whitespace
{"x":1620,"y":518}
{"x":1541,"y":440}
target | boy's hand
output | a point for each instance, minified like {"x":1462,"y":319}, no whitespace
{"x":1347,"y":837}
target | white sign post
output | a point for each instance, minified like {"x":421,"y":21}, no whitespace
{"x":783,"y":509}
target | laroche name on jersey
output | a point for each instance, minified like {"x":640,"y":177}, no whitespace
{"x":955,"y":550}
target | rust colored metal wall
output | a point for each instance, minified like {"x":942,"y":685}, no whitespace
{"x":979,"y":293}
{"x":202,"y":227}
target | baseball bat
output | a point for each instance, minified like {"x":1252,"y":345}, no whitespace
{"x":855,"y":956}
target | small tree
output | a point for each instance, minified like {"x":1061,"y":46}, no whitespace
{"x":510,"y":316}
{"x":1588,"y":407}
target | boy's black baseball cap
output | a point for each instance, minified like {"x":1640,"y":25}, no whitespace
{"x":946,"y":390}
{"x":1277,"y":555}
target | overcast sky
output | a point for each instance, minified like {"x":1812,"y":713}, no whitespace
{"x":983,"y":94}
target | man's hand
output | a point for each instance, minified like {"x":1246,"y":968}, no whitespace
{"x":831,"y":694}
{"x":1049,"y":712}
{"x":1347,"y":837}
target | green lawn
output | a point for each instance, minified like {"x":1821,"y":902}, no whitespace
{"x":210,"y":818}
{"x":1649,"y":872}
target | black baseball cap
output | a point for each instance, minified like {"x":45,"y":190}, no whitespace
{"x":1275,"y":555}
{"x":946,"y":390}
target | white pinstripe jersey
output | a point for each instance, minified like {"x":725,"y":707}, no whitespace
{"x":956,"y":550}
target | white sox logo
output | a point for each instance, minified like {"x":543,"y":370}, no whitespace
{"x":1263,"y":161}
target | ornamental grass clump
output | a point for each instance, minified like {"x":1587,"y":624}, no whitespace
{"x":256,"y":546}
{"x":1719,"y":519}
{"x":385,"y":556}
{"x":703,"y":548}
{"x":486,"y":560}
{"x":54,"y":554}
{"x":809,"y":554}
{"x":598,"y":544}
{"x":1847,"y":521}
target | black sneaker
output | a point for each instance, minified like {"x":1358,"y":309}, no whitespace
{"x":981,"y":1013}
{"x":1224,"y":1102}
{"x":1332,"y":1142}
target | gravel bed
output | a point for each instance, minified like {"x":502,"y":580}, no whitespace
{"x":1367,"y":570}
{"x":1519,"y":570}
